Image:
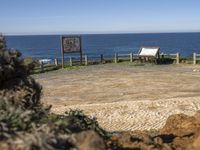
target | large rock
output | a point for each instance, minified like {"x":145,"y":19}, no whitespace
{"x":181,"y":125}
{"x":182,"y":131}
{"x":88,"y":140}
{"x":138,"y":141}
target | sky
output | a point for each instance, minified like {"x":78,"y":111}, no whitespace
{"x":98,"y":16}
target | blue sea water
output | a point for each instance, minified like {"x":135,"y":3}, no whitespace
{"x":48,"y":46}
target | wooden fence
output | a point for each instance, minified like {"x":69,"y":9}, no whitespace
{"x":195,"y":58}
{"x":43,"y":67}
{"x":118,"y":57}
{"x":175,"y":56}
{"x":129,"y":57}
{"x":87,"y":60}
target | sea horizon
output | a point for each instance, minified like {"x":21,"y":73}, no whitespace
{"x":98,"y":33}
{"x":48,"y":46}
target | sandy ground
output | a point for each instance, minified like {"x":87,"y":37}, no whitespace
{"x":124,"y":96}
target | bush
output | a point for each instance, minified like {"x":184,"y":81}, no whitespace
{"x":22,"y":115}
{"x":2,"y":42}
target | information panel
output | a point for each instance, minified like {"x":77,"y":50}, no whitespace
{"x":71,"y":44}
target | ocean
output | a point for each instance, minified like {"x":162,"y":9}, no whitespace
{"x":49,"y":47}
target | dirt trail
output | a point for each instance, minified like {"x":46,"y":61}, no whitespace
{"x":125,"y":97}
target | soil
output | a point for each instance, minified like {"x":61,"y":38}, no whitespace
{"x":124,"y":96}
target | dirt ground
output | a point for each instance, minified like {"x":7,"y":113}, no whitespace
{"x":124,"y":96}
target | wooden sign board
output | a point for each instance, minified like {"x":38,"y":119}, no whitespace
{"x":71,"y":44}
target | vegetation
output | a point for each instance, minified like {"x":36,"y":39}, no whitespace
{"x":26,"y":124}
{"x":24,"y":117}
{"x":2,"y":42}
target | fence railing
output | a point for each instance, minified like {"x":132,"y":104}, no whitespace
{"x":129,"y":57}
{"x":103,"y":59}
{"x":175,"y":56}
{"x":43,"y":67}
{"x":195,"y":58}
{"x":118,"y":57}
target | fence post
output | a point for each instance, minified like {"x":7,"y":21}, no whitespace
{"x":194,"y":58}
{"x":101,"y":56}
{"x":42,"y":66}
{"x":86,"y":60}
{"x":70,"y":61}
{"x":56,"y":62}
{"x":177,"y":58}
{"x":131,"y":57}
{"x":116,"y":58}
{"x":162,"y":57}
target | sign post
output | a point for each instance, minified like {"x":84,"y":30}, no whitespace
{"x":71,"y":44}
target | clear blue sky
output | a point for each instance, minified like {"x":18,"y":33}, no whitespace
{"x":98,"y":16}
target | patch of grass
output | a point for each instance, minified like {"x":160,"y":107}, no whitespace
{"x":73,"y":67}
{"x":186,"y":60}
{"x":46,"y":69}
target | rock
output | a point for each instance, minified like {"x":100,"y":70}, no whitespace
{"x":13,"y":146}
{"x":182,"y":131}
{"x":137,"y":140}
{"x":196,"y":143}
{"x":88,"y":140}
{"x":180,"y":125}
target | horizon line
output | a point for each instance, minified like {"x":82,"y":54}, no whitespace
{"x":93,"y":33}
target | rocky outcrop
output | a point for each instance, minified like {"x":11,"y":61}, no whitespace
{"x":182,"y":130}
{"x":88,"y":140}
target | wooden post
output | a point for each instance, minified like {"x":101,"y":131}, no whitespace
{"x":116,"y":58}
{"x":70,"y":61}
{"x":177,"y":58}
{"x":194,"y":58}
{"x":131,"y":57}
{"x":162,"y":56}
{"x":86,"y":60}
{"x":62,"y":52}
{"x":56,"y":62}
{"x":42,"y":66}
{"x":101,"y":57}
{"x":81,"y":54}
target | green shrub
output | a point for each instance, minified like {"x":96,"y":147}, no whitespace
{"x":22,"y":114}
{"x":2,"y":42}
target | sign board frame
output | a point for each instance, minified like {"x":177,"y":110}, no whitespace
{"x":150,"y":54}
{"x":72,"y":39}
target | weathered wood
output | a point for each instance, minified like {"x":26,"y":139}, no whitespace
{"x":123,"y":55}
{"x":177,"y":58}
{"x":101,"y":58}
{"x":86,"y":60}
{"x":63,"y":58}
{"x":41,"y":66}
{"x":116,"y":58}
{"x":70,"y":61}
{"x":162,"y":56}
{"x":131,"y":57}
{"x":169,"y":54}
{"x":56,"y":62}
{"x":194,"y":58}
